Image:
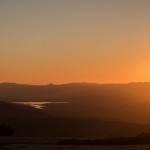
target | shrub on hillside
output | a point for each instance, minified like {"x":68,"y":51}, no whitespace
{"x":6,"y":130}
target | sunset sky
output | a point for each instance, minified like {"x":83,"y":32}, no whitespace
{"x":60,"y":41}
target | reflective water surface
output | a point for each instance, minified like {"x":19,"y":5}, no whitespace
{"x":39,"y":105}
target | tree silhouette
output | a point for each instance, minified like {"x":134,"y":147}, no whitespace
{"x":6,"y":130}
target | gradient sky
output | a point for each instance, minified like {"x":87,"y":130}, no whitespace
{"x":59,"y":41}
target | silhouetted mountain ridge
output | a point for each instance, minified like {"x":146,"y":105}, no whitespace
{"x":34,"y":92}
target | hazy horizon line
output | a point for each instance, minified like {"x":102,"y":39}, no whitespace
{"x":98,"y":83}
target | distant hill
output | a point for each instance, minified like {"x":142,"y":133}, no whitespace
{"x":138,"y":91}
{"x":110,"y":108}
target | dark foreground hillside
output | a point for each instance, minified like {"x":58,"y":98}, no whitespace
{"x":28,"y":121}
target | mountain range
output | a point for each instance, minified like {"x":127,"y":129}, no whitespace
{"x":110,"y":102}
{"x":92,"y":110}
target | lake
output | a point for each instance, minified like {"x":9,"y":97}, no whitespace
{"x":39,"y":105}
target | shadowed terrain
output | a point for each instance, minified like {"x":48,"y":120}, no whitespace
{"x":28,"y":121}
{"x":92,"y":110}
